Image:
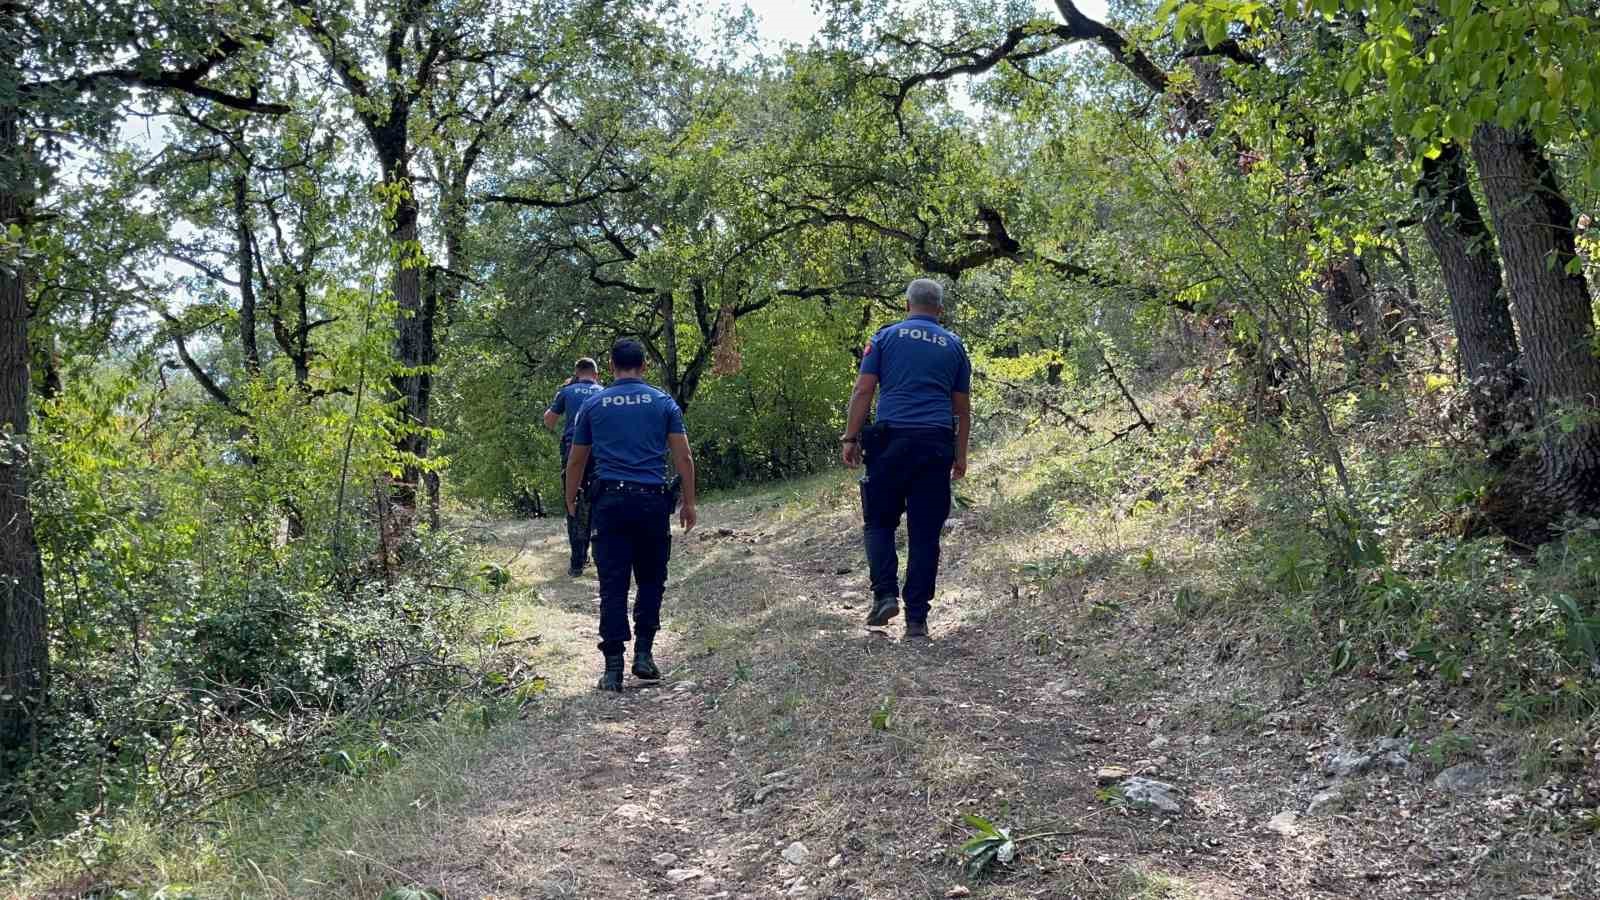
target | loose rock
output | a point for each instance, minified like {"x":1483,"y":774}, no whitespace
{"x":1392,"y":753}
{"x":1286,"y":823}
{"x":796,"y":854}
{"x":1110,"y":774}
{"x":1462,"y":779}
{"x":664,"y":859}
{"x":1149,"y":793}
{"x":679,"y":876}
{"x":1329,"y":800}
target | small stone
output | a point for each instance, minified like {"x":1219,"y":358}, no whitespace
{"x":1110,"y":774}
{"x":796,"y":854}
{"x":842,"y":570}
{"x":664,"y":859}
{"x":1326,"y":801}
{"x":631,"y":811}
{"x":1461,"y":779}
{"x":797,"y":889}
{"x":1394,"y":753}
{"x":1149,"y":793}
{"x":1286,"y":823}
{"x":1158,"y":742}
{"x":1204,"y":740}
{"x":835,"y":861}
{"x":685,"y":686}
{"x":959,"y":890}
{"x":1344,"y":763}
{"x":679,"y":876}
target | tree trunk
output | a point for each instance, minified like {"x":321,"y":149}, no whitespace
{"x":1553,"y":310}
{"x":247,"y":268}
{"x":413,"y":349}
{"x":1486,"y":343}
{"x":24,"y":642}
{"x":1347,"y":300}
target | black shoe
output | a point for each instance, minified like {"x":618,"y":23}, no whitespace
{"x":612,"y":679}
{"x":883,"y":609}
{"x":575,"y":571}
{"x":644,"y":666}
{"x":916,"y":631}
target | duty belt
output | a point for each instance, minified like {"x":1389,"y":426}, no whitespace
{"x":634,"y":487}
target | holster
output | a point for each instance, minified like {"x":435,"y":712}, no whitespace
{"x":875,"y":438}
{"x":675,"y":491}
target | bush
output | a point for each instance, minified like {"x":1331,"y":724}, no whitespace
{"x":214,"y":626}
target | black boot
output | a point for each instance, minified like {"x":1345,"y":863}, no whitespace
{"x":916,"y":629}
{"x":884,"y":608}
{"x":612,"y":679}
{"x":644,"y":666}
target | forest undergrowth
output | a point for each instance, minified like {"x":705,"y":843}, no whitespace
{"x":1130,"y":608}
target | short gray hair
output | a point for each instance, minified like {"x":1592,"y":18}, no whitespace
{"x":926,"y":293}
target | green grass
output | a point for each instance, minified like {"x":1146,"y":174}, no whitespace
{"x":293,"y":843}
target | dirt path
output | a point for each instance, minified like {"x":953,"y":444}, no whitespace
{"x":791,"y":752}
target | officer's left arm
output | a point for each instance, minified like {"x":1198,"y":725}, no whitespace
{"x":683,"y":461}
{"x":961,"y":405}
{"x":576,"y":463}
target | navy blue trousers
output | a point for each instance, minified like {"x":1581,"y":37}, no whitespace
{"x":632,"y":540}
{"x":909,"y":474}
{"x":578,"y":526}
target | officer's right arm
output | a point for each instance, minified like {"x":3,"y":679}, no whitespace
{"x":578,"y":460}
{"x":557,"y":406}
{"x":962,"y":404}
{"x":856,"y":418}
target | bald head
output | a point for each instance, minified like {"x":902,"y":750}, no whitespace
{"x":925,"y":295}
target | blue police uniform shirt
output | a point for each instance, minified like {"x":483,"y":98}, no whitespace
{"x":918,"y":364}
{"x":569,"y":400}
{"x":627,"y":425}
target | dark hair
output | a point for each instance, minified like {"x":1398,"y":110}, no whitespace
{"x":627,"y":354}
{"x":586,"y":365}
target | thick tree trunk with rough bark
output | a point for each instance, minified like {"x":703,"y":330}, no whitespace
{"x":1486,"y":342}
{"x":414,"y":345}
{"x":1553,"y":311}
{"x":24,"y":642}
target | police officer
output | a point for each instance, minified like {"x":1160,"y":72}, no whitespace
{"x":584,"y":383}
{"x":630,"y":428}
{"x":916,"y":446}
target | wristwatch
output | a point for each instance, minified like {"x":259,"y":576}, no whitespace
{"x":847,"y":439}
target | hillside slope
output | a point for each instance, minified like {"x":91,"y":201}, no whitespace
{"x":1072,"y":649}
